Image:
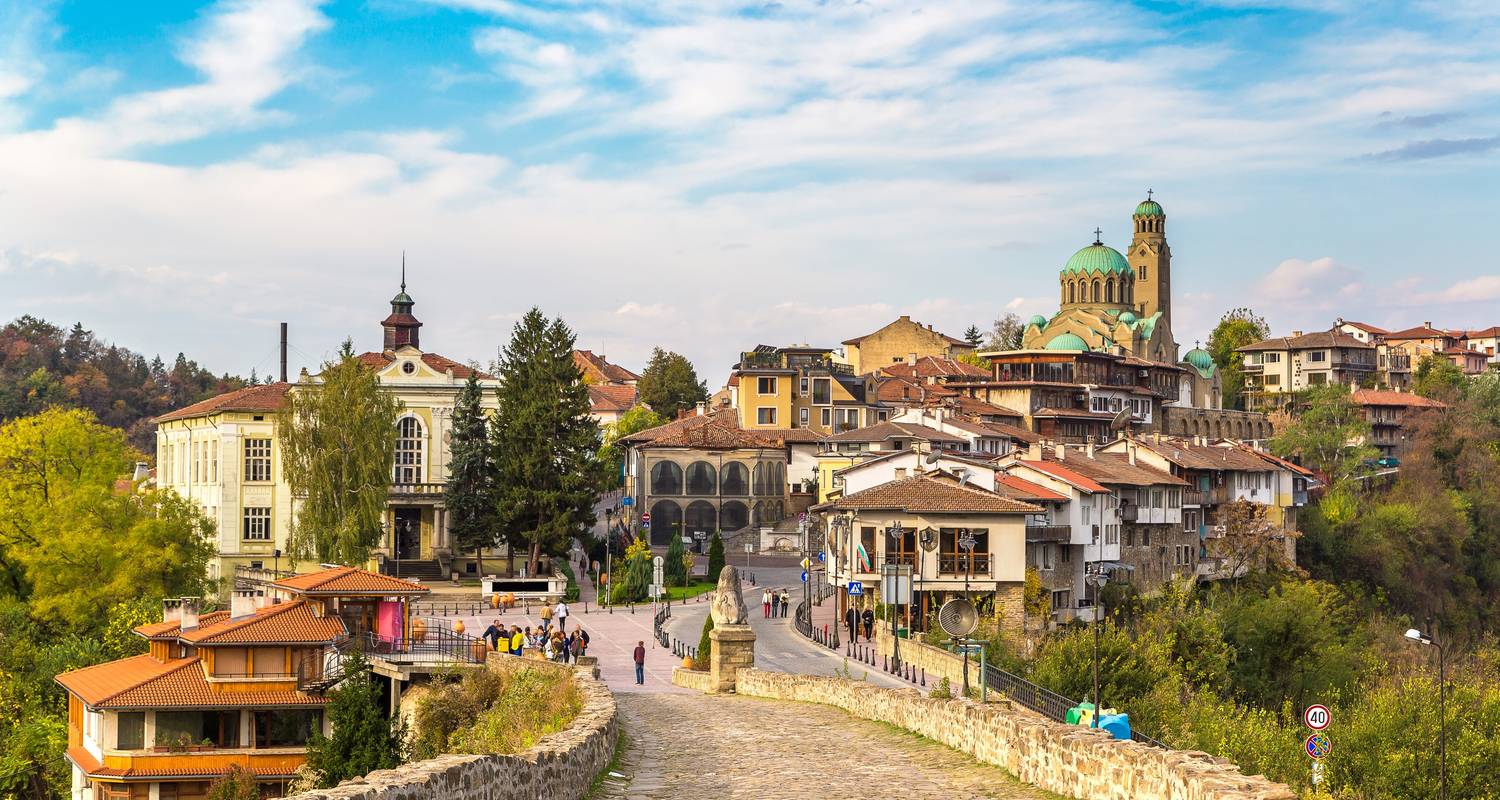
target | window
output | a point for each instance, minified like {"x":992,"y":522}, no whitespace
{"x":1273,"y":380}
{"x":822,"y":391}
{"x":765,"y":385}
{"x":130,"y":730}
{"x":865,"y":562}
{"x":257,"y":525}
{"x":827,"y":416}
{"x":221,"y":728}
{"x":1317,"y":378}
{"x":804,"y":415}
{"x":1273,"y":358}
{"x":1111,"y":534}
{"x":285,"y":728}
{"x":257,"y":459}
{"x":765,"y":416}
{"x":1318,"y":355}
{"x":1065,"y":554}
{"x":408,"y":467}
{"x":803,"y":386}
{"x":953,"y":559}
{"x":213,"y":463}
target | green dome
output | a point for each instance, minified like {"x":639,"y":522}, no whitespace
{"x":1201,"y":361}
{"x":1128,"y":317}
{"x":1149,"y":208}
{"x":1038,"y":320}
{"x":1097,"y":258}
{"x":1067,"y":341}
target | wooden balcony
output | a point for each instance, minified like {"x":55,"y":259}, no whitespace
{"x":1049,"y":533}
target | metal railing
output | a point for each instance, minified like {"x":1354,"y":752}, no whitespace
{"x":958,"y":564}
{"x":659,"y":626}
{"x":1049,"y":533}
{"x":1044,"y":701}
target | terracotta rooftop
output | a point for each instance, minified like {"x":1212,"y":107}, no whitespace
{"x":867,"y":457}
{"x":930,"y":493}
{"x":977,"y":407}
{"x":1107,"y":468}
{"x":296,"y":622}
{"x":908,"y":390}
{"x":718,"y":430}
{"x":1187,"y":455}
{"x":597,"y":369}
{"x":437,"y":362}
{"x":168,"y":629}
{"x":611,"y":397}
{"x":1062,"y":473}
{"x":143,"y":682}
{"x":1419,"y":332}
{"x":881,"y":431}
{"x":266,"y":397}
{"x":1366,"y":327}
{"x":349,"y":581}
{"x":1022,"y":489}
{"x":935,"y":367}
{"x":1381,"y":397}
{"x":91,"y":767}
{"x":1308,"y":341}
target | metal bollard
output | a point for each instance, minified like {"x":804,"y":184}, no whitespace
{"x":924,"y":676}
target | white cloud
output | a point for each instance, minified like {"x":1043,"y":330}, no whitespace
{"x":1483,"y":289}
{"x":1320,"y":281}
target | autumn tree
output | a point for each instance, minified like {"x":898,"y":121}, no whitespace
{"x":1237,"y":328}
{"x":669,"y":384}
{"x":1438,"y":377}
{"x":1250,"y":540}
{"x":338,"y":439}
{"x":1006,"y":332}
{"x":469,"y":495}
{"x":1328,"y":433}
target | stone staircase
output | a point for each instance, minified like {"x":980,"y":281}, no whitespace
{"x":413,"y":569}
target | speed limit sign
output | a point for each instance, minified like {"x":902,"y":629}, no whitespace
{"x":1317,"y":717}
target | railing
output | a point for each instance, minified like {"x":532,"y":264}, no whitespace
{"x":1192,"y":497}
{"x":1129,"y":513}
{"x":802,"y":619}
{"x":958,"y":564}
{"x":424,"y":489}
{"x":1049,"y":533}
{"x":909,"y":559}
{"x":1044,"y":701}
{"x":658,"y":626}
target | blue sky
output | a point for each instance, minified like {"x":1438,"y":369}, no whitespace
{"x":710,"y":175}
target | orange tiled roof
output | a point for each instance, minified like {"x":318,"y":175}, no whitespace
{"x":168,"y":629}
{"x":597,"y":368}
{"x":265,"y":397}
{"x":719,"y":430}
{"x":92,"y":768}
{"x":935,"y":367}
{"x":1022,"y":489}
{"x":611,"y":397}
{"x":1418,"y":332}
{"x":286,"y":623}
{"x":437,"y":362}
{"x":881,"y":431}
{"x":144,"y":682}
{"x":930,"y":493}
{"x":1379,"y":397}
{"x":1063,"y":473}
{"x":343,"y":581}
{"x":907,"y":390}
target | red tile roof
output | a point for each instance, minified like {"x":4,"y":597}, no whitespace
{"x":264,"y":397}
{"x":930,"y":493}
{"x":881,"y":431}
{"x":1381,"y":397}
{"x":607,"y":397}
{"x":1022,"y":489}
{"x":1309,"y":340}
{"x":597,"y":369}
{"x":92,"y":768}
{"x":144,"y":682}
{"x":1187,"y":455}
{"x":1107,"y":468}
{"x":349,"y":581}
{"x":951,"y":340}
{"x":718,"y":430}
{"x":977,"y":407}
{"x":907,"y":390}
{"x":437,"y":362}
{"x":1419,"y":332}
{"x":935,"y":367}
{"x":1067,"y":475}
{"x":297,"y":622}
{"x":1367,"y":328}
{"x":168,"y":629}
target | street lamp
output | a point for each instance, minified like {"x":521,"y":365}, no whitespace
{"x":839,"y":525}
{"x":899,"y":533}
{"x":1097,"y":579}
{"x":1421,"y":638}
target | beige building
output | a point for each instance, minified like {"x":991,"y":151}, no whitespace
{"x":901,"y":342}
{"x":1276,"y":368}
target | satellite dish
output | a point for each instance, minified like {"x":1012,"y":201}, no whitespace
{"x":958,"y":618}
{"x":1121,"y":420}
{"x":933,"y":457}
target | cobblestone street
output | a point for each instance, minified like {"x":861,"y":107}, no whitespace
{"x":688,"y":745}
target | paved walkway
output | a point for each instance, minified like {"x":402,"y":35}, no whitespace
{"x":726,"y":747}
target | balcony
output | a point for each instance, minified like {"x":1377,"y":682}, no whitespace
{"x":959,"y":564}
{"x":417,"y":490}
{"x":1192,"y":497}
{"x":1049,"y":533}
{"x":899,"y":559}
{"x":1129,"y":513}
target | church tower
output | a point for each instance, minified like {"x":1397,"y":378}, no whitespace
{"x":401,"y":328}
{"x":1151,"y":260}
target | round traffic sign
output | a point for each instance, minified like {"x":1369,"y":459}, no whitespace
{"x":1317,"y":717}
{"x":1318,"y":746}
{"x":645,"y":518}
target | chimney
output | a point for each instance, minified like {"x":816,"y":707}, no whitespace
{"x":1130,"y":453}
{"x":1295,"y":334}
{"x":702,"y":408}
{"x":1062,"y":451}
{"x":189,"y":612}
{"x":142,"y":469}
{"x":244,"y":602}
{"x":1088,"y":449}
{"x":283,"y":352}
{"x":171,"y":609}
{"x":1427,"y":324}
{"x":1034,"y":451}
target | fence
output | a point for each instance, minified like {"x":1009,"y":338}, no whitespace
{"x":1043,"y":701}
{"x":803,"y":619}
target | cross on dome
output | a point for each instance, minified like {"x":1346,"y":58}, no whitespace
{"x":1097,"y":234}
{"x":1148,"y":194}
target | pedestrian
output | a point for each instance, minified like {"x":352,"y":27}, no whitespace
{"x":786,"y":600}
{"x":851,"y":618}
{"x":546,"y":617}
{"x":869,"y":619}
{"x":493,"y":634}
{"x":765,"y":604}
{"x":561,"y":615}
{"x":517,"y":640}
{"x":775,"y":604}
{"x":583,"y":642}
{"x":640,"y":663}
{"x":573,"y":644}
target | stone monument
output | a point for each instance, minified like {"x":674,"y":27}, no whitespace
{"x":733,"y":641}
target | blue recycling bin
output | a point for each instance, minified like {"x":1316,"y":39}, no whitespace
{"x":1118,"y":725}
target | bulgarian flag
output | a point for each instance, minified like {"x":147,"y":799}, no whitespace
{"x":864,"y":557}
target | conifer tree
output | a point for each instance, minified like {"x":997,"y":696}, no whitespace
{"x":363,"y":739}
{"x":338,"y":440}
{"x":470,"y":493}
{"x":715,"y":558}
{"x":544,"y":442}
{"x":669,"y":384}
{"x":675,"y":568}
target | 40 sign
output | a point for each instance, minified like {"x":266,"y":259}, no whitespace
{"x":1317,"y":717}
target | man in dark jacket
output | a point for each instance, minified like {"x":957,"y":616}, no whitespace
{"x":640,"y":663}
{"x":869,"y":619}
{"x":851,"y":618}
{"x":493,"y":634}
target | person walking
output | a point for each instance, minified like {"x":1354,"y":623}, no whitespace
{"x":775,"y":604}
{"x":546,"y":616}
{"x":868,"y":617}
{"x":765,"y":604}
{"x":560,"y":613}
{"x":493,"y":634}
{"x":851,"y":618}
{"x":640,"y":663}
{"x":786,"y":600}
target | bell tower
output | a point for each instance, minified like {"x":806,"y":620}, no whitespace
{"x":401,"y":328}
{"x":1151,"y":260}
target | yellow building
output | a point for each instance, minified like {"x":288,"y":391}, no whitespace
{"x":801,"y":387}
{"x":902,"y":341}
{"x":223,"y":454}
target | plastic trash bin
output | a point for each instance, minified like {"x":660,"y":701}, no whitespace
{"x":1081,"y":714}
{"x":1118,"y":725}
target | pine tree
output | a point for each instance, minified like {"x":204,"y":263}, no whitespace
{"x":544,"y":442}
{"x":364,"y":739}
{"x":669,"y":384}
{"x":973,"y":336}
{"x":675,"y":569}
{"x":469,"y":495}
{"x":338,"y":439}
{"x":715,"y":558}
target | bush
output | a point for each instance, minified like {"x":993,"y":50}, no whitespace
{"x":675,"y":568}
{"x":237,"y":783}
{"x":491,"y":712}
{"x":363,"y":739}
{"x":705,"y":644}
{"x":631,"y":581}
{"x":715,"y":558}
{"x":570,"y":594}
{"x":942,"y":691}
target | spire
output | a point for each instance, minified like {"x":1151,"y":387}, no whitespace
{"x":403,"y":266}
{"x":401,"y":327}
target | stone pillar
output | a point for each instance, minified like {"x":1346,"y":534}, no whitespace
{"x":733,"y":650}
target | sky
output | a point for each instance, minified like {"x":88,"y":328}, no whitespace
{"x":708,"y":176}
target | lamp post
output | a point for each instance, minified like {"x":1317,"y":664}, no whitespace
{"x":966,"y":543}
{"x":898,"y":531}
{"x":1421,"y":638}
{"x":1097,"y":579}
{"x":839,"y":526}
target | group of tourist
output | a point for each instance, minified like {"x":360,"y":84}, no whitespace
{"x":551,"y":638}
{"x":775,"y":603}
{"x":858,"y":621}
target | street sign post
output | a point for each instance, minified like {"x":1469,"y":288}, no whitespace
{"x":1317,"y":717}
{"x":806,"y":563}
{"x":855,"y":589}
{"x":627,"y":501}
{"x":1318,"y":746}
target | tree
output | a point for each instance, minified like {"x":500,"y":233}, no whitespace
{"x":705,"y":644}
{"x":973,"y":336}
{"x":1251,"y":540}
{"x":1295,"y":642}
{"x":1328,"y":433}
{"x":364,"y":739}
{"x":1438,"y":377}
{"x":470,"y":493}
{"x":338,"y":440}
{"x":675,"y":568}
{"x":612,"y":455}
{"x":1237,"y":328}
{"x":715,"y":557}
{"x":1006,"y":333}
{"x":237,"y":783}
{"x":669,"y":384}
{"x":544,"y":442}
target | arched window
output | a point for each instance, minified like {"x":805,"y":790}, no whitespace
{"x":666,"y":522}
{"x":1072,"y":294}
{"x":700,"y":478}
{"x":1096,"y":291}
{"x":734,"y":515}
{"x":666,"y":478}
{"x":408,"y":451}
{"x":700,"y":516}
{"x":735,"y":479}
{"x":1109,"y":291}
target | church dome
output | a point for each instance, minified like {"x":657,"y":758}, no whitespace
{"x":1097,"y":257}
{"x":1038,"y":320}
{"x":1149,"y":208}
{"x":1201,"y":361}
{"x":1067,"y":341}
{"x":1128,"y":317}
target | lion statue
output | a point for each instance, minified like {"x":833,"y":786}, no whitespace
{"x":728,"y":606}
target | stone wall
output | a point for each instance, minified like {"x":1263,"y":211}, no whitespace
{"x":560,"y":767}
{"x":1067,"y":759}
{"x":937,"y":662}
{"x":699,"y":680}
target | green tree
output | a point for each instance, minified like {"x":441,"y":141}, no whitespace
{"x":237,"y":783}
{"x":1296,"y":642}
{"x":669,"y":384}
{"x":364,"y":739}
{"x":705,"y":644}
{"x":974,"y":336}
{"x":1438,"y":377}
{"x":715,"y":557}
{"x":612,"y":454}
{"x":1006,"y":333}
{"x":1237,"y":328}
{"x":1328,"y":433}
{"x":544,"y":441}
{"x":470,"y":493}
{"x":338,"y":439}
{"x":675,"y":567}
